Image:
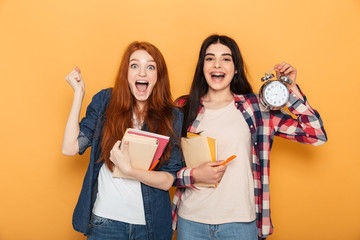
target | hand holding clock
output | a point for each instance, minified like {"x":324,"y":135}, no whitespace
{"x":286,"y":69}
{"x":274,"y":94}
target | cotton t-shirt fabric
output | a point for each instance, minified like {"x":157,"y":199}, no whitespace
{"x":225,"y":203}
{"x":119,"y":198}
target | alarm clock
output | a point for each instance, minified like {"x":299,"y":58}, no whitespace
{"x":274,"y":93}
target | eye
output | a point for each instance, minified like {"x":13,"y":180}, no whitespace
{"x":134,"y":65}
{"x":209,"y":58}
{"x":151,"y":67}
{"x":227,"y":59}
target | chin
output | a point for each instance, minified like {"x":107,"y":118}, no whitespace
{"x":141,"y":98}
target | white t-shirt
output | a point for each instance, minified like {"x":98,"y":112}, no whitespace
{"x":119,"y":198}
{"x":233,"y":199}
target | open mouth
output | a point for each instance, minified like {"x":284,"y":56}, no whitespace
{"x":217,"y":76}
{"x":141,"y":85}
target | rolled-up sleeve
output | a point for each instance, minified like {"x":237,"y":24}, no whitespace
{"x":306,"y":128}
{"x":89,"y":122}
{"x":84,"y":142}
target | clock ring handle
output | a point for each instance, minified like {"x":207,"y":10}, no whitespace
{"x":286,"y":79}
{"x":268,"y":76}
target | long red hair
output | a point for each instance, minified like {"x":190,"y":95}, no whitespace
{"x":158,"y":114}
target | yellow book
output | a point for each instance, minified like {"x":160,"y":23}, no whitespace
{"x":198,"y":149}
{"x":212,"y":148}
{"x":141,"y":150}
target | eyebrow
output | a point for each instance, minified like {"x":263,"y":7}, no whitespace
{"x":223,"y":54}
{"x":135,"y":59}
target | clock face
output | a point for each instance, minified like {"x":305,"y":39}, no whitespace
{"x":276,"y":93}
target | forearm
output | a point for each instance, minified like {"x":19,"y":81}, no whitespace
{"x":70,"y":144}
{"x":208,"y":173}
{"x":156,"y":179}
{"x":297,"y":92}
{"x":307,"y":128}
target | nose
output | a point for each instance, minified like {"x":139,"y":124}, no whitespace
{"x":142,"y":71}
{"x":217,"y":63}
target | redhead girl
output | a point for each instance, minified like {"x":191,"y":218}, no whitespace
{"x":222,"y":105}
{"x":118,"y":208}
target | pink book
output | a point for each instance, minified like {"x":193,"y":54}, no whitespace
{"x":163,"y":141}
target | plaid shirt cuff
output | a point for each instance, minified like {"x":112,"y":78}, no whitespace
{"x":298,"y":106}
{"x":185,"y":178}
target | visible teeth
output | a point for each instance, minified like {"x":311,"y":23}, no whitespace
{"x":141,"y":85}
{"x":142,"y":82}
{"x":217,"y":75}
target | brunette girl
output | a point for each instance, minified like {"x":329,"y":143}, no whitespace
{"x":117,"y":208}
{"x":222,"y":105}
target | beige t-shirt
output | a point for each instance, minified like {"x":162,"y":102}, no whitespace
{"x":233,"y":198}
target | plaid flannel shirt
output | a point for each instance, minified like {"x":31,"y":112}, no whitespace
{"x":264,"y":125}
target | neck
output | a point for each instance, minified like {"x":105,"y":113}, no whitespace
{"x":217,"y":99}
{"x":140,"y":106}
{"x":139,"y":109}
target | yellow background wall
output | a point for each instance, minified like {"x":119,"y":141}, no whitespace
{"x":315,"y":191}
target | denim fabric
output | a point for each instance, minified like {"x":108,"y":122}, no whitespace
{"x":107,"y":229}
{"x":189,"y":230}
{"x":156,"y":202}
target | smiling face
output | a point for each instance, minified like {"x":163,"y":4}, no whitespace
{"x":218,"y":67}
{"x":142,"y":76}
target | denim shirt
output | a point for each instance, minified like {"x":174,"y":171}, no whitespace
{"x":157,"y":204}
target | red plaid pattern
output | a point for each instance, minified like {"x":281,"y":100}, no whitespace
{"x":264,"y":125}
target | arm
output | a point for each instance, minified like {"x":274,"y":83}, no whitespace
{"x":308,"y":127}
{"x":121,"y":159}
{"x":164,"y":177}
{"x":70,"y":145}
{"x":209,"y":172}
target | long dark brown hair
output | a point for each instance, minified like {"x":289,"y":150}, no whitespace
{"x":158,"y":110}
{"x":199,"y":86}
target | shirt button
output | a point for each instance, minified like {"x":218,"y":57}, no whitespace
{"x":251,"y":126}
{"x":255,"y":143}
{"x":243,"y":111}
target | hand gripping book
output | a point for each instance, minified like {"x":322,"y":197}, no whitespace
{"x":145,"y":148}
{"x":198,"y":149}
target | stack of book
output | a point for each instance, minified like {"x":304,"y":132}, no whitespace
{"x":198,"y":149}
{"x":145,"y":149}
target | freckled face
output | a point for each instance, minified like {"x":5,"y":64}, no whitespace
{"x":142,"y":75}
{"x":219,"y":68}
